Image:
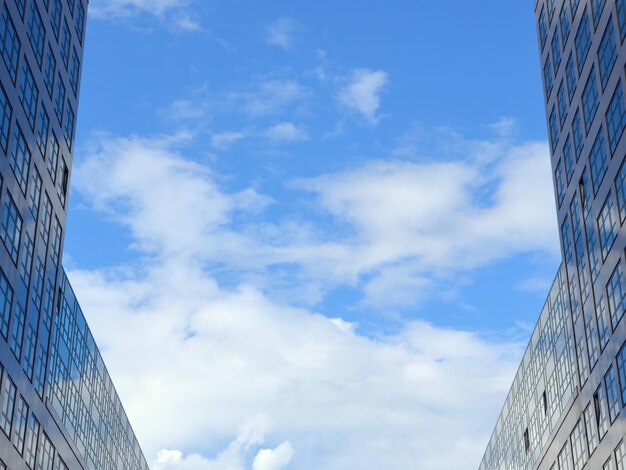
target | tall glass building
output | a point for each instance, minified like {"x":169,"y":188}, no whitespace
{"x":58,"y":407}
{"x":566,"y":408}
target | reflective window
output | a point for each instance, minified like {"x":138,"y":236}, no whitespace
{"x":616,"y":117}
{"x":20,"y":417}
{"x":583,"y":40}
{"x":612,"y":393}
{"x":577,"y":132}
{"x":565,"y":22}
{"x":5,"y":119}
{"x":590,"y":99}
{"x":543,"y":27}
{"x":598,"y":161}
{"x":29,"y":94}
{"x":66,"y":39}
{"x":556,"y":51}
{"x":568,"y":159}
{"x":49,"y":70}
{"x":55,"y":17}
{"x":570,"y":73}
{"x":548,"y":78}
{"x":597,"y":6}
{"x":20,"y":158}
{"x":9,"y":43}
{"x":36,"y":32}
{"x":562,"y":103}
{"x":579,"y":445}
{"x":11,"y":227}
{"x":7,"y":400}
{"x":621,"y":17}
{"x":616,"y":294}
{"x":607,"y":53}
{"x":554,"y":129}
{"x":17,"y":331}
{"x":607,"y":225}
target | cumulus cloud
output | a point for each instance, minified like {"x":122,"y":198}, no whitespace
{"x":274,"y":459}
{"x":282,"y":33}
{"x":361,"y":93}
{"x":286,"y":132}
{"x":216,"y":350}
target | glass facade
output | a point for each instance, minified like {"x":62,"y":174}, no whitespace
{"x":565,"y":409}
{"x":58,"y":406}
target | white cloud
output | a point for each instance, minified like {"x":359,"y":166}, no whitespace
{"x":282,"y":33}
{"x":212,"y":356}
{"x":286,"y":132}
{"x":361,"y":93}
{"x":271,"y":97}
{"x":224,"y":140}
{"x":274,"y":459}
{"x":175,"y":10}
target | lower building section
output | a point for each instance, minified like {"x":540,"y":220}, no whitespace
{"x":75,"y":419}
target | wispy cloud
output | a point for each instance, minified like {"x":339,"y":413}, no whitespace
{"x":361,"y":93}
{"x":283,"y":33}
{"x":177,"y":11}
{"x":223,"y":140}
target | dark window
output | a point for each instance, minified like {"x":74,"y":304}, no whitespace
{"x":526,"y":440}
{"x":36,"y":32}
{"x":554,"y":129}
{"x":5,"y":119}
{"x":80,"y":21}
{"x":621,"y":17}
{"x":565,"y":23}
{"x":49,"y":70}
{"x":29,"y":94}
{"x":55,"y":17}
{"x":607,"y":53}
{"x":616,"y":117}
{"x":543,"y":27}
{"x":556,"y":51}
{"x":583,"y":40}
{"x":590,"y":99}
{"x":548,"y":78}
{"x":562,"y":103}
{"x":9,"y":43}
{"x":66,"y":40}
{"x":598,"y":161}
{"x":620,"y":185}
{"x":21,"y":7}
{"x":570,"y":71}
{"x":74,"y":71}
{"x":20,"y":158}
{"x":616,"y":294}
{"x":11,"y":228}
{"x":597,"y":7}
{"x":577,"y":132}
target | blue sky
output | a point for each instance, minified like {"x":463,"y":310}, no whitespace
{"x":317,"y":222}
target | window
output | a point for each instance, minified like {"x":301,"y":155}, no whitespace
{"x":45,"y":453}
{"x":49,"y":70}
{"x":55,"y":246}
{"x":612,"y":393}
{"x":565,"y":458}
{"x":7,"y":400}
{"x":597,"y":7}
{"x":565,"y":23}
{"x":80,"y":21}
{"x":30,"y":447}
{"x":52,"y":158}
{"x":44,"y":228}
{"x":551,"y":9}
{"x":72,"y":5}
{"x":20,"y":158}
{"x":11,"y":227}
{"x":19,"y":424}
{"x":526,"y":440}
{"x":34,"y":193}
{"x":5,"y":119}
{"x":59,"y":99}
{"x":616,"y":294}
{"x":579,"y":445}
{"x":27,"y":258}
{"x":598,"y":160}
{"x":620,"y":185}
{"x":17,"y":331}
{"x":577,"y":132}
{"x":66,"y":39}
{"x":568,"y":243}
{"x":620,"y":456}
{"x":37,"y":290}
{"x":621,"y":371}
{"x":583,"y":40}
{"x":36,"y":32}
{"x":592,"y":428}
{"x":547,"y":76}
{"x":74,"y":71}
{"x":6,"y":299}
{"x":568,"y":158}
{"x":608,"y":465}
{"x":556,"y":51}
{"x":562,"y":103}
{"x":29,"y":93}
{"x":42,"y":130}
{"x":607,"y":53}
{"x":570,"y":73}
{"x":601,"y":410}
{"x":21,"y":7}
{"x":554,"y":129}
{"x":604,"y":331}
{"x":616,"y":117}
{"x":9,"y":43}
{"x":607,"y":225}
{"x":28,"y":361}
{"x":55,"y":17}
{"x":590,"y":99}
{"x":583,"y":360}
{"x":63,"y":184}
{"x":69,"y":125}
{"x":621,"y":17}
{"x":543,"y":27}
{"x":574,"y":4}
